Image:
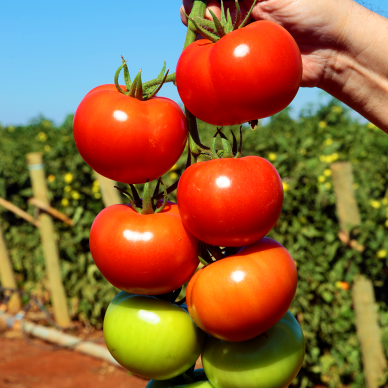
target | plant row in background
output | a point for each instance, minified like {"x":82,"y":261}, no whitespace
{"x":302,"y":150}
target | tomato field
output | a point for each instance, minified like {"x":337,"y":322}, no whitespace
{"x":302,"y":150}
{"x":225,"y":231}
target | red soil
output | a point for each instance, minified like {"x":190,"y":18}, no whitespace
{"x":26,"y":365}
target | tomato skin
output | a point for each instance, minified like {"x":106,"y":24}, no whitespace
{"x":267,"y":361}
{"x":128,"y":140}
{"x":169,"y":207}
{"x":230,"y":202}
{"x":150,"y":337}
{"x":106,"y":87}
{"x":251,"y":73}
{"x":240,"y":297}
{"x":143,"y":254}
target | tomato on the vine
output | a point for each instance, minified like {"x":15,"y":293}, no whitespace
{"x":271,"y":360}
{"x":129,"y":140}
{"x":149,"y":254}
{"x":230,"y":202}
{"x":151,"y":337}
{"x":241,"y":296}
{"x":251,"y":73}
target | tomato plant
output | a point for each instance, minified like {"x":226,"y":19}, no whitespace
{"x":150,"y":337}
{"x":129,"y":140}
{"x":268,"y":361}
{"x":250,"y":73}
{"x":242,"y":296}
{"x":143,"y":253}
{"x":230,"y":202}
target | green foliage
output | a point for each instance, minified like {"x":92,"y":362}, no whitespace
{"x":302,"y":150}
{"x":73,"y":192}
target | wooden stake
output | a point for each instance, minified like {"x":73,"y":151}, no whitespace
{"x":50,"y":210}
{"x":368,"y":331}
{"x":364,"y":302}
{"x":19,"y":212}
{"x":110,"y":195}
{"x":7,"y":277}
{"x":347,"y":208}
{"x":49,"y":243}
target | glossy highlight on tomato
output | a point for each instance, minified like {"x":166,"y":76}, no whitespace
{"x":128,"y":140}
{"x":240,"y":297}
{"x":251,"y":73}
{"x":230,"y":202}
{"x":151,"y":337}
{"x":268,"y":361}
{"x":149,"y":254}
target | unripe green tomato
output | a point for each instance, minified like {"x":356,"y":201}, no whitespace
{"x":151,"y":337}
{"x":271,"y":360}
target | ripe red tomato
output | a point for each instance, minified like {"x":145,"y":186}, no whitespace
{"x":169,"y":207}
{"x":128,"y":140}
{"x":143,"y":254}
{"x":250,"y":73}
{"x":240,"y":297}
{"x":106,"y":87}
{"x":230,"y":202}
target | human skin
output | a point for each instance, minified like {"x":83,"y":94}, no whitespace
{"x":343,"y":47}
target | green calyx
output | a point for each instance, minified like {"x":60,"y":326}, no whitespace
{"x":137,"y":89}
{"x":227,"y":151}
{"x":147,"y":204}
{"x":216,"y":29}
{"x":208,"y":254}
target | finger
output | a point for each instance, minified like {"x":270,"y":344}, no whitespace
{"x":186,"y":8}
{"x":215,"y":7}
{"x":183,"y":16}
{"x":256,"y":9}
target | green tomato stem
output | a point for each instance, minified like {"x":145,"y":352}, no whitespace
{"x":147,"y":200}
{"x":199,"y":8}
{"x":157,"y":81}
{"x":203,"y":261}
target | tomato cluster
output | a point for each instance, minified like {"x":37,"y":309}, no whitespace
{"x":236,"y":312}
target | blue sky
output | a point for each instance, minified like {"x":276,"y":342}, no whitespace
{"x":54,"y":52}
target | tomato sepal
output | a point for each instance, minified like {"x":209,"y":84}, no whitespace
{"x":137,"y":89}
{"x":220,"y":27}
